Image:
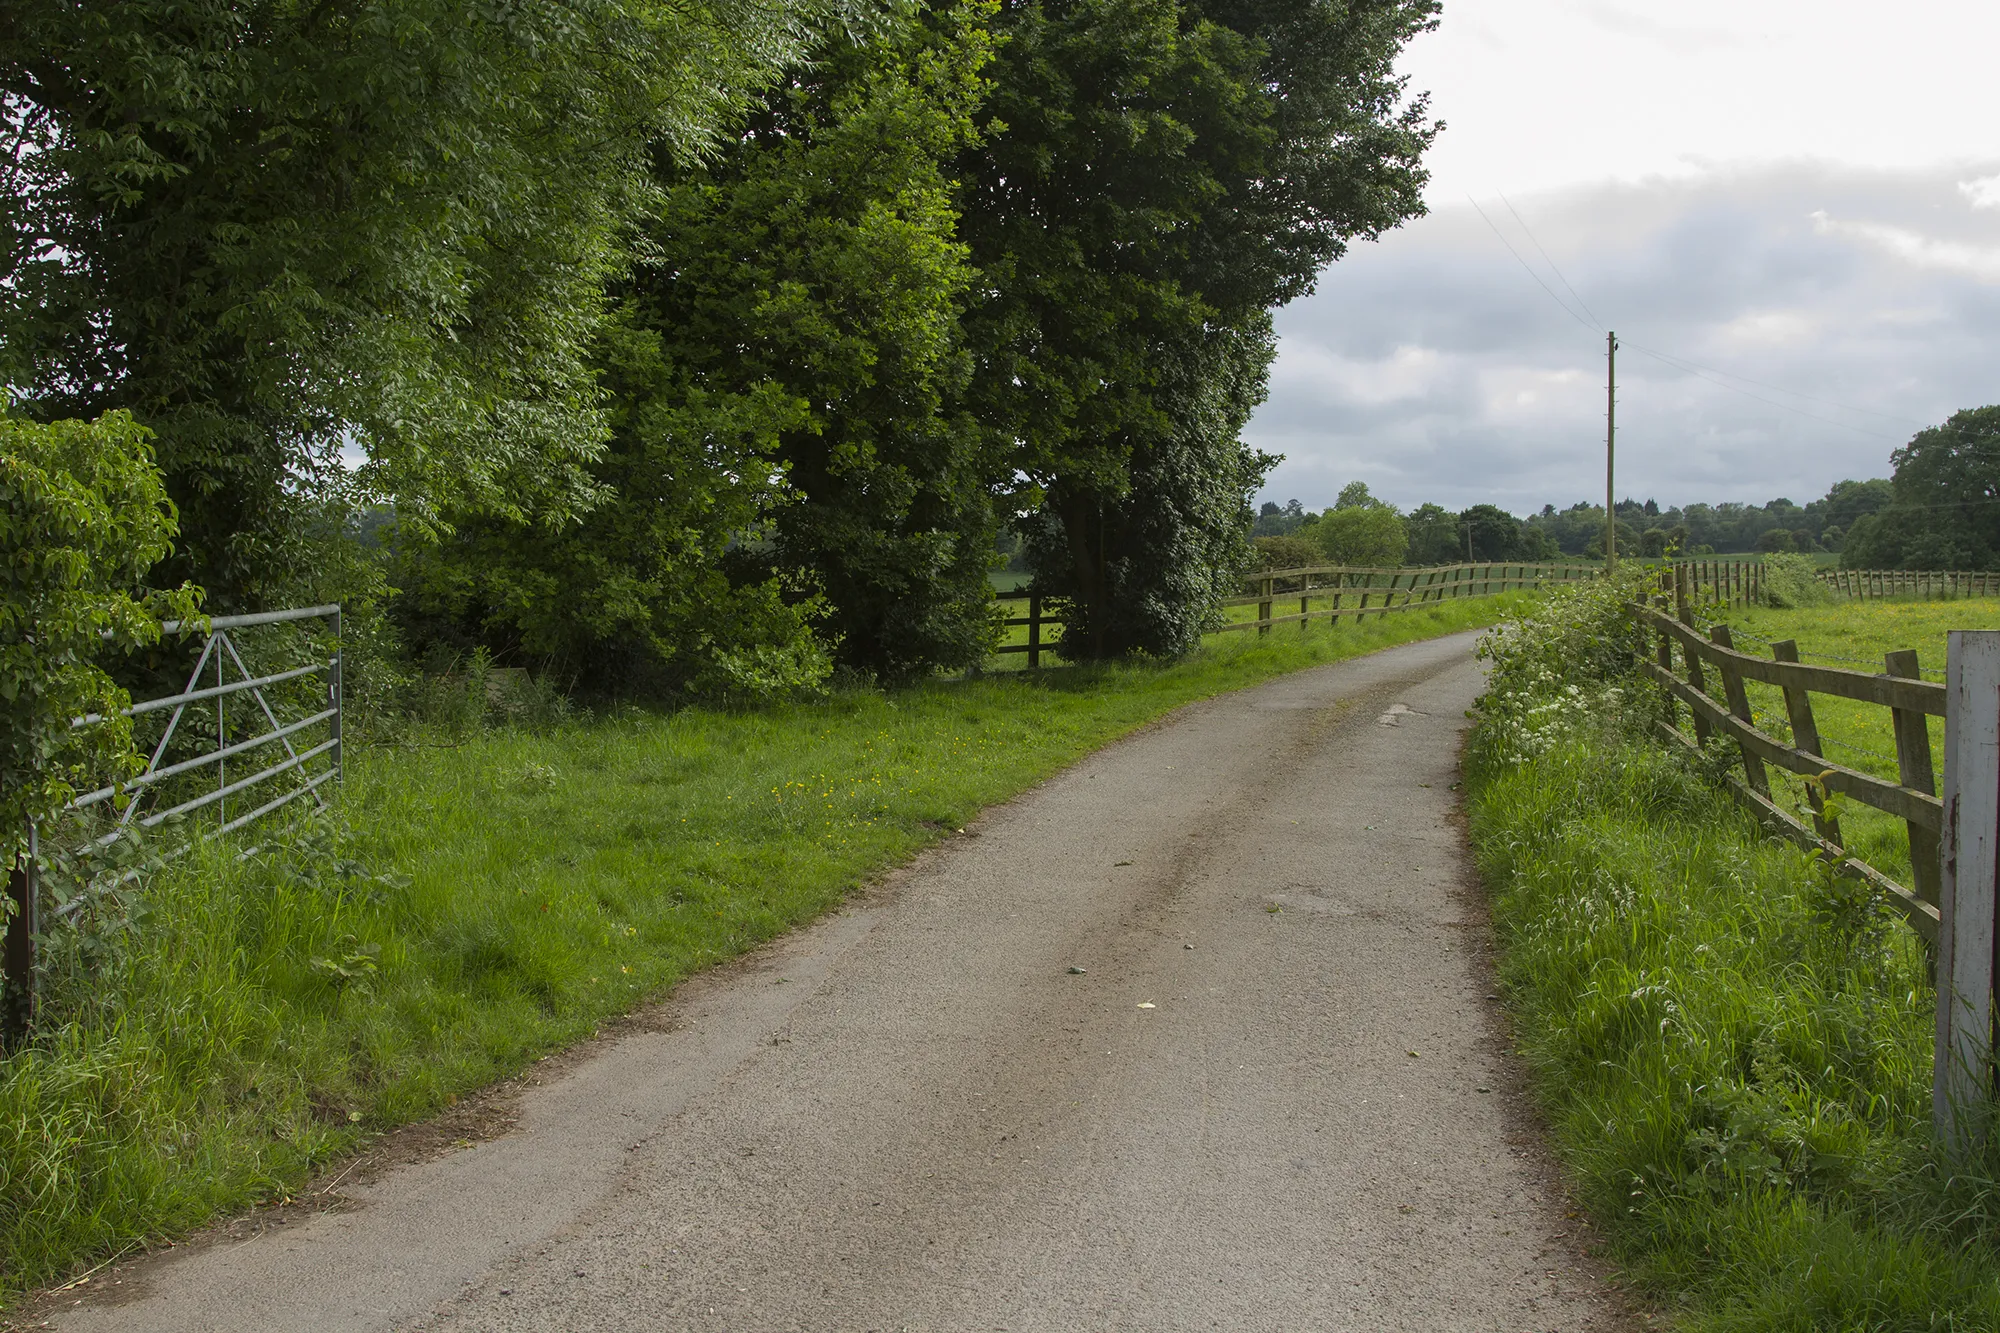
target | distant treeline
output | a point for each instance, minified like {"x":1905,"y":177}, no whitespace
{"x":1940,"y":510}
{"x":1362,"y":530}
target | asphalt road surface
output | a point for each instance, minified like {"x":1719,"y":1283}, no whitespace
{"x":1196,"y":1035}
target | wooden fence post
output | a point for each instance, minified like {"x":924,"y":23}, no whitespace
{"x":1305,"y":601}
{"x":1913,"y":765}
{"x":1739,"y":704}
{"x":1666,"y":659}
{"x":1264,"y":606}
{"x":1695,"y":676}
{"x":1962,"y":1071}
{"x":1805,"y":736}
{"x":17,"y":952}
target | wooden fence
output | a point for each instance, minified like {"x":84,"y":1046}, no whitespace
{"x":1340,"y":590}
{"x":1741,"y":582}
{"x":1954,"y":840}
{"x":1864,"y":583}
{"x":1723,"y":582}
{"x":1393,"y":589}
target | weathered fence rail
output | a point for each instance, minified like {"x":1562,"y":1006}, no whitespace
{"x":1349,"y":591}
{"x":1953,"y":839}
{"x":307,"y":757}
{"x":1866,"y":583}
{"x":1394,"y":589}
{"x":1727,"y":582}
{"x":1723,"y":582}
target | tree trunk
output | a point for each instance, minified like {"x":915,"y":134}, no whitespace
{"x":1077,"y":511}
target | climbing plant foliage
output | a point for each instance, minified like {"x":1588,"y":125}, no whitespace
{"x":83,"y":516}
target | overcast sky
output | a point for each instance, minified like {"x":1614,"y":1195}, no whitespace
{"x":1789,"y":210}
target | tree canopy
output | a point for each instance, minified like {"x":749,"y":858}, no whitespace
{"x":1944,"y":510}
{"x":708,"y":344}
{"x":1159,"y":175}
{"x":276,"y":232}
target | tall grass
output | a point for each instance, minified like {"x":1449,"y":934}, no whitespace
{"x":217,"y":1035}
{"x":1733,"y":1047}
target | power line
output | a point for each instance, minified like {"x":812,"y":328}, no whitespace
{"x":1530,"y":270}
{"x":1687,"y":368}
{"x":1779,"y":388}
{"x":1550,"y":262}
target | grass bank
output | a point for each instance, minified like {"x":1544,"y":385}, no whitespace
{"x":1733,"y":1050}
{"x":220,"y":1034}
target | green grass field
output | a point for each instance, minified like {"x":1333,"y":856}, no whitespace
{"x":1856,"y":635}
{"x":247,"y":1023}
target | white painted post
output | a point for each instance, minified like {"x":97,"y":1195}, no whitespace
{"x":1962,"y":1076}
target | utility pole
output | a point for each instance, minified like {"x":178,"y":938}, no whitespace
{"x":1468,"y":542}
{"x":1610,"y":448}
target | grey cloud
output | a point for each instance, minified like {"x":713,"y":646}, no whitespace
{"x":1433,"y":367}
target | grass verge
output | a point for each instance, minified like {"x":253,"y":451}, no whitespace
{"x":1733,"y":1049}
{"x":216,"y":1037}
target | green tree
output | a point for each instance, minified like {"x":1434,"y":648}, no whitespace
{"x":274,"y":231}
{"x":1159,"y":175}
{"x":1171,"y":544}
{"x":1284,"y":553}
{"x":1628,"y":538}
{"x":1275,"y":520}
{"x":1946,"y":510}
{"x":1495,"y":533}
{"x":1434,"y":536}
{"x":83,"y":517}
{"x":1847,"y":501}
{"x":783,"y":376}
{"x":1371,"y":535}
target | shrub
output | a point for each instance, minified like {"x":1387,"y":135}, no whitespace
{"x":1284,"y":553}
{"x":83,"y":516}
{"x":1367,"y":535}
{"x":1561,"y":662}
{"x":1792,"y":581}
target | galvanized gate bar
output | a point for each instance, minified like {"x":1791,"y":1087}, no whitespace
{"x":188,"y":765}
{"x":17,"y":957}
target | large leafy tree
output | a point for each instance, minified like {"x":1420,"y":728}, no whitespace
{"x":1435,"y":536}
{"x":784,"y":377}
{"x":1945,"y":513}
{"x":1170,"y":543}
{"x":275,"y":231}
{"x":1159,"y":174}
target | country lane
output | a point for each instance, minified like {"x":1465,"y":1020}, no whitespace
{"x":1195,"y":1035}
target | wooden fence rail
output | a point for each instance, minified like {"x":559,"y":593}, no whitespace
{"x":1865,"y":583}
{"x":1728,"y":582}
{"x":1954,"y":841}
{"x":1342,"y":590}
{"x":1723,"y":582}
{"x":1396,"y":589}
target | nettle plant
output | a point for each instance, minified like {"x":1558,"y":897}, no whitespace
{"x":1569,"y":659}
{"x":83,"y":516}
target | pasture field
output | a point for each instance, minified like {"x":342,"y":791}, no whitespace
{"x":1856,"y":635}
{"x":485,"y":899}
